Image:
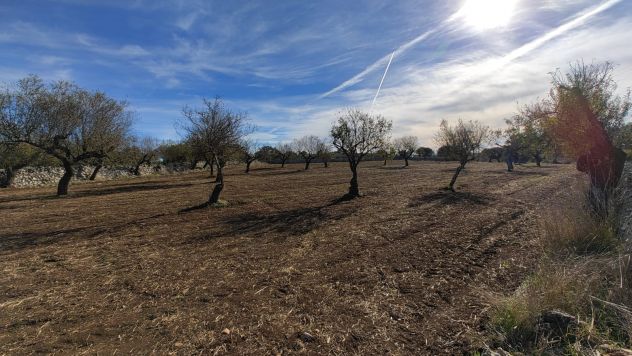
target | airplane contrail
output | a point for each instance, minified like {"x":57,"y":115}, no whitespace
{"x":560,"y":30}
{"x":382,"y":81}
{"x":358,"y":77}
{"x":513,"y":55}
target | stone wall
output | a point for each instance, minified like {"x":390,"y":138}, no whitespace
{"x":49,"y":176}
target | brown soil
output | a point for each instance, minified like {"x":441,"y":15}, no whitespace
{"x":285,"y":267}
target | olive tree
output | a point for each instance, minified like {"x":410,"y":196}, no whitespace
{"x":425,"y":152}
{"x":357,"y":134}
{"x":248,"y":152}
{"x":308,"y":148}
{"x":142,"y":151}
{"x":465,"y":140}
{"x":405,"y":147}
{"x":324,"y":152}
{"x":386,"y":152}
{"x":585,"y":114}
{"x":218,"y":131}
{"x":14,"y":157}
{"x":527,"y":135}
{"x":284,"y":152}
{"x":69,"y":123}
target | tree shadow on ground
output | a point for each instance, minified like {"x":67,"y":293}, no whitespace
{"x":529,"y":173}
{"x":392,"y":167}
{"x":447,"y":197}
{"x":104,"y":191}
{"x":277,"y":172}
{"x":293,"y":222}
{"x":20,"y":241}
{"x":131,"y":189}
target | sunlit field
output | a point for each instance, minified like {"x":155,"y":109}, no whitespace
{"x":124,"y":266}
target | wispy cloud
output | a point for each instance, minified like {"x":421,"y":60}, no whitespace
{"x":378,"y":64}
{"x":294,"y":65}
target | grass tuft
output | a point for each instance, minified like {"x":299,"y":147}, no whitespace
{"x":577,"y":298}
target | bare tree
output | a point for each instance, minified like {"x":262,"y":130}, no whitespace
{"x":142,"y":151}
{"x":324,"y":152}
{"x":63,"y":120}
{"x":357,"y":134}
{"x":284,"y":151}
{"x":219,"y":132}
{"x":248,"y":152}
{"x":14,"y":157}
{"x":307,"y":147}
{"x":405,"y":147}
{"x":465,"y":140}
{"x":386,"y":152}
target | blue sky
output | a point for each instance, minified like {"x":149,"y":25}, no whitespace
{"x":294,"y":65}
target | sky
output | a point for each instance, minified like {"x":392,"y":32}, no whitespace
{"x":295,"y":66}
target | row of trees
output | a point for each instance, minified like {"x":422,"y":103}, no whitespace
{"x":63,"y":121}
{"x":217,"y":133}
{"x":62,"y":124}
{"x":582,"y":118}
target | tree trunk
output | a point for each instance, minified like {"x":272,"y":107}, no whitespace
{"x":219,"y":185}
{"x":205,"y":165}
{"x":326,"y":164}
{"x":406,"y":161}
{"x":283,"y":163}
{"x":64,"y":182}
{"x":354,"y":189}
{"x":248,"y":167}
{"x":212,"y":169}
{"x":538,"y":159}
{"x":385,"y":161}
{"x":140,"y":163}
{"x":93,"y":176}
{"x":10,"y":174}
{"x":456,"y":175}
{"x":307,"y":164}
{"x":194,"y":164}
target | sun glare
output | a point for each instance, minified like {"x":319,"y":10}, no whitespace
{"x":487,"y":14}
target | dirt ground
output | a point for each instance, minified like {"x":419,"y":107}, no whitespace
{"x":117,"y":267}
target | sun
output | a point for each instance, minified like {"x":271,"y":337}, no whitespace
{"x":487,"y":14}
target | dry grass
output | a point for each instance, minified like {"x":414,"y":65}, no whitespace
{"x":584,"y":272}
{"x":285,"y":267}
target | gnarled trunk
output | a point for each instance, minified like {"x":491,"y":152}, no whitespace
{"x":385,"y":161}
{"x":248,"y":166}
{"x":538,"y":159}
{"x":219,"y":186}
{"x":96,"y":170}
{"x":354,"y":188}
{"x":406,"y":161}
{"x":136,"y":170}
{"x":283,"y":162}
{"x":326,"y":164}
{"x":64,"y":182}
{"x":455,"y":176}
{"x":307,"y":162}
{"x":9,"y":175}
